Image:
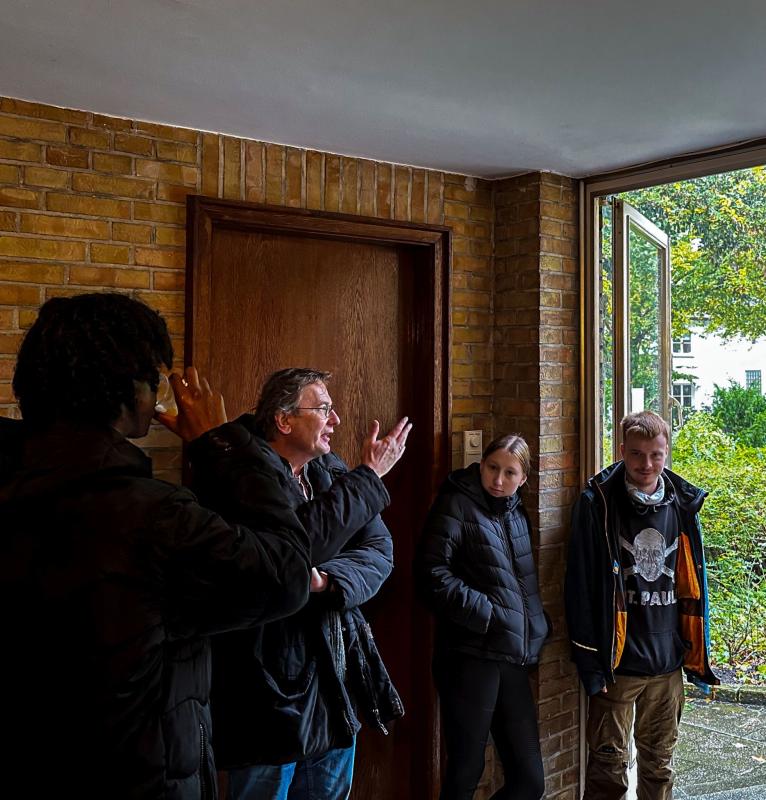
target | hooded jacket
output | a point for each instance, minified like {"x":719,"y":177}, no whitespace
{"x":595,"y":592}
{"x":110,"y":582}
{"x":475,"y":569}
{"x":277,"y":693}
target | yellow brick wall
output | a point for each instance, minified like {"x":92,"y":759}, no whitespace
{"x":536,"y":358}
{"x":90,"y":202}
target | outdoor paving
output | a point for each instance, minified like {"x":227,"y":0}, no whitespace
{"x":721,"y":753}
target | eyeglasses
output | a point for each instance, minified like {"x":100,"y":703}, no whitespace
{"x":325,"y":409}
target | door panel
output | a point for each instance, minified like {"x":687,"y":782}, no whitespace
{"x":303,"y":301}
{"x":362,"y":299}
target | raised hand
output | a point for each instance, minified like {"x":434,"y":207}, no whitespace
{"x":199,"y":408}
{"x":380,"y":455}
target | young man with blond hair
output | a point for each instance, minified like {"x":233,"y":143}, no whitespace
{"x":636,"y":605}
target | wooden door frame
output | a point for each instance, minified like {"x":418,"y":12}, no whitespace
{"x":205,"y":214}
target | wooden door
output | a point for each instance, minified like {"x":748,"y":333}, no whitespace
{"x":269,"y":288}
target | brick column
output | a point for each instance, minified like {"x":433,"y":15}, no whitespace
{"x":536,"y":369}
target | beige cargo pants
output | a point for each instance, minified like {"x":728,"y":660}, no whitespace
{"x":655,"y":704}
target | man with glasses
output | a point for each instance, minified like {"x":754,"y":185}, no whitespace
{"x":286,"y":696}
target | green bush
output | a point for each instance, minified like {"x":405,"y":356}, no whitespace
{"x":734,"y":525}
{"x":701,"y":439}
{"x":741,"y":413}
{"x":737,"y":610}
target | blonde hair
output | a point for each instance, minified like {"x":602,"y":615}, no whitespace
{"x":515,"y":445}
{"x":645,"y":424}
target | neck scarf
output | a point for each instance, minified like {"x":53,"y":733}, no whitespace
{"x":642,"y":497}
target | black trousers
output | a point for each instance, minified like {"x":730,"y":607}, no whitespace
{"x":478,"y":696}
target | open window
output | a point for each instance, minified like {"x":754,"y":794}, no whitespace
{"x":634,"y":341}
{"x":612,"y":368}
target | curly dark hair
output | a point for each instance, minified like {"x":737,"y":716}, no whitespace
{"x":80,"y":358}
{"x":282,"y":392}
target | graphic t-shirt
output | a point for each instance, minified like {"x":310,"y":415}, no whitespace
{"x":648,"y":554}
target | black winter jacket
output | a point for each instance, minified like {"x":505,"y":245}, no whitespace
{"x":476,"y":571}
{"x":594,"y":591}
{"x":276,"y":695}
{"x":110,"y":582}
{"x":11,"y":440}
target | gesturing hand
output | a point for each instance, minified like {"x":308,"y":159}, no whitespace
{"x":199,"y":408}
{"x":381,"y":455}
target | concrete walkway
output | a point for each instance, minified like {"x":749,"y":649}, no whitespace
{"x":721,"y":753}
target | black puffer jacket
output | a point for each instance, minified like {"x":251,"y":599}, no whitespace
{"x":277,"y":697}
{"x":110,"y":582}
{"x":476,"y":571}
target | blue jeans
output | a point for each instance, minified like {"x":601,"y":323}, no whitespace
{"x":325,"y":777}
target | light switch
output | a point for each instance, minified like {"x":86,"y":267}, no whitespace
{"x":472,"y":447}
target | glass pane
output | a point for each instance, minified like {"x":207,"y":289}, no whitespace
{"x":645,"y":270}
{"x":606,"y":328}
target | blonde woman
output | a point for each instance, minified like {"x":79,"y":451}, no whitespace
{"x":477,"y":573}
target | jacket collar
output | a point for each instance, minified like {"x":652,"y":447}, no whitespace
{"x":690,"y":497}
{"x":317,"y":466}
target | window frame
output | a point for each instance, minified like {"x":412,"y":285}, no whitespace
{"x":684,"y":345}
{"x":754,"y":377}
{"x":592,"y":188}
{"x":681,"y":385}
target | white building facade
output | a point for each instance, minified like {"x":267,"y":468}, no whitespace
{"x":700,"y":362}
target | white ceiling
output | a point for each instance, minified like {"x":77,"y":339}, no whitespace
{"x":486,"y":88}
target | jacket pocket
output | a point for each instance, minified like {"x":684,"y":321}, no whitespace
{"x":291,"y":690}
{"x":293,"y":721}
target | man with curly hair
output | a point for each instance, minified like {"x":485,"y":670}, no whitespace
{"x":111,"y":581}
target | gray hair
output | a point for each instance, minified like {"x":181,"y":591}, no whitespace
{"x":282,"y":392}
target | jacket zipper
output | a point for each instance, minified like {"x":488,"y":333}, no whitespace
{"x":614,"y":582}
{"x":381,"y":727}
{"x":203,"y":766}
{"x":520,"y":584}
